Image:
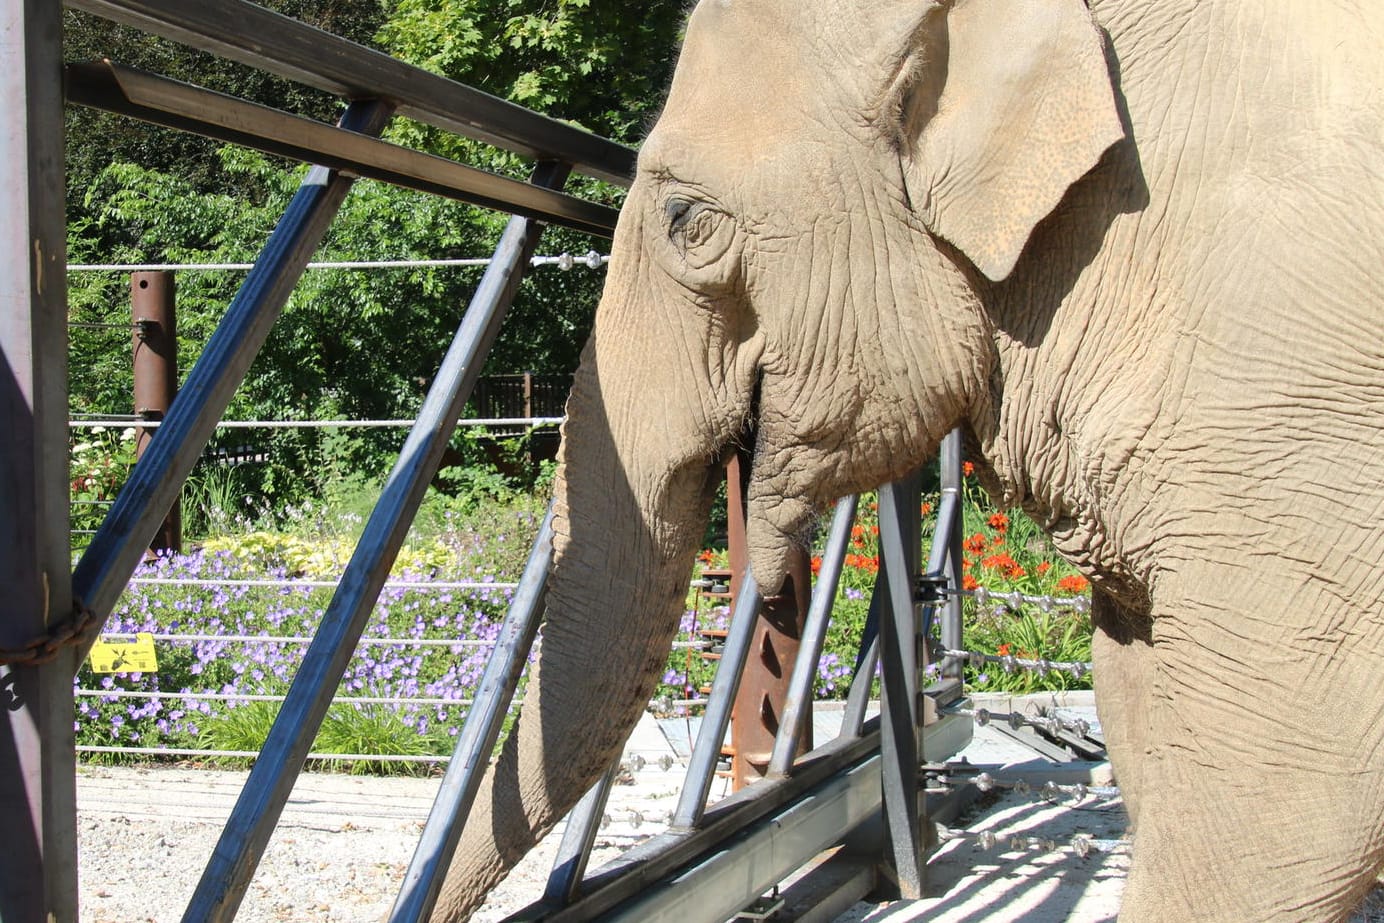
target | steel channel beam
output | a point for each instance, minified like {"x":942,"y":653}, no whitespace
{"x":814,"y":637}
{"x":252,"y":821}
{"x":188,"y":108}
{"x":702,"y":765}
{"x":900,"y":710}
{"x":723,"y":863}
{"x":461,"y":783}
{"x":155,"y":482}
{"x":38,"y":813}
{"x":268,"y":41}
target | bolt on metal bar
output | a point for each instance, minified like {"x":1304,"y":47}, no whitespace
{"x":899,"y":706}
{"x":814,"y":636}
{"x":155,"y":482}
{"x":702,"y":766}
{"x":256,"y":813}
{"x":574,"y":852}
{"x":460,"y":785}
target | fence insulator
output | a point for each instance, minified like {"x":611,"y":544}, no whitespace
{"x":1081,"y":845}
{"x":1015,"y":600}
{"x":1051,"y":724}
{"x":1010,"y":664}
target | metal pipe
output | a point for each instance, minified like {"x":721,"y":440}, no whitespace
{"x":38,"y":813}
{"x":450,"y":810}
{"x":702,"y":766}
{"x":862,"y":684}
{"x":252,"y":821}
{"x":814,"y":636}
{"x":154,"y":340}
{"x":119,"y":544}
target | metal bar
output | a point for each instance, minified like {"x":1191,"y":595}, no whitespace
{"x":38,"y":813}
{"x":119,"y":544}
{"x":574,"y":852}
{"x":154,"y":340}
{"x":951,"y":489}
{"x":814,"y":636}
{"x":271,"y":42}
{"x":899,"y":706}
{"x":702,"y":766}
{"x":462,"y":782}
{"x":178,"y":105}
{"x":256,"y":812}
{"x":862,"y":684}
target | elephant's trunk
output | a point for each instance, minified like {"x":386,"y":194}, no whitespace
{"x":624,"y":541}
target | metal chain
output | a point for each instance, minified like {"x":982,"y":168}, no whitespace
{"x":75,"y":631}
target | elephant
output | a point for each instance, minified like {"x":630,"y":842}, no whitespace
{"x":1131,"y":250}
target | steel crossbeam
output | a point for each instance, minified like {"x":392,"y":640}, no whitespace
{"x":248,"y":33}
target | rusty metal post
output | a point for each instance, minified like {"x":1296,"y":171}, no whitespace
{"x":155,"y":345}
{"x":763,"y":689}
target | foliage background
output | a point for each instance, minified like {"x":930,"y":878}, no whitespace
{"x":351,"y":344}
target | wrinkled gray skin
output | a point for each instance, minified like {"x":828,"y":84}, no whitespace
{"x":1133,"y":252}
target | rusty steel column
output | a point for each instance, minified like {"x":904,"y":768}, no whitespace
{"x":764,"y":686}
{"x":155,"y":344}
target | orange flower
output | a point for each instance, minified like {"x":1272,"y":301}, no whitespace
{"x":999,"y":522}
{"x":816,"y":566}
{"x":1044,"y":567}
{"x":926,"y":509}
{"x":975,"y":544}
{"x":1003,"y":650}
{"x":705,"y":557}
{"x":968,"y":582}
{"x":1074,"y":583}
{"x":967,"y":469}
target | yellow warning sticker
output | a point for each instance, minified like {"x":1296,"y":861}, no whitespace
{"x":135,"y":656}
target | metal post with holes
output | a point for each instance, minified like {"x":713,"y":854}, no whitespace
{"x":764,"y":687}
{"x":155,"y":346}
{"x":38,"y":826}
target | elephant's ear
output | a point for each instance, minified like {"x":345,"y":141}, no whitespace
{"x":999,"y":106}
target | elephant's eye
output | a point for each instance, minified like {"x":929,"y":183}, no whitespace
{"x":694,"y":225}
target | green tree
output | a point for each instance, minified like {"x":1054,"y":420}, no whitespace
{"x":353,"y":344}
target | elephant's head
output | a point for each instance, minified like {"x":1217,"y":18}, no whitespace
{"x":799,"y":257}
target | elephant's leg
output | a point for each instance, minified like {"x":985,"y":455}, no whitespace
{"x":1123,"y":654}
{"x":1260,"y":791}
